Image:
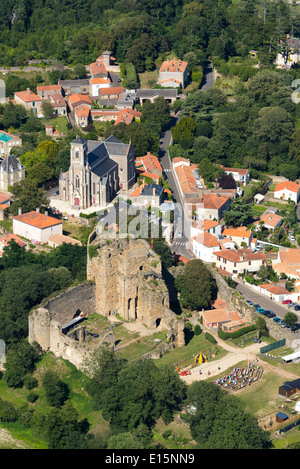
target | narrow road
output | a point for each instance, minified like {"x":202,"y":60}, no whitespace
{"x":182,"y":223}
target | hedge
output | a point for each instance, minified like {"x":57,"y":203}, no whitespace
{"x":210,"y":338}
{"x":236,"y":334}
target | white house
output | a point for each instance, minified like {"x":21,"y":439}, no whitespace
{"x":240,"y":235}
{"x":287,"y":190}
{"x":204,"y":245}
{"x":210,"y":226}
{"x":242,"y":176}
{"x":239,"y":261}
{"x":36,"y":226}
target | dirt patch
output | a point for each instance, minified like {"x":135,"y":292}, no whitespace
{"x":7,"y":441}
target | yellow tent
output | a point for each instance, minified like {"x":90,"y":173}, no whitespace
{"x":200,"y":358}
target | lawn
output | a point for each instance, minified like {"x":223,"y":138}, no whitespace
{"x":59,"y":123}
{"x":145,"y":77}
{"x":181,"y":355}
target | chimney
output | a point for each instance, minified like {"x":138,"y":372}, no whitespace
{"x":153,"y":191}
{"x":46,"y":213}
{"x":28,"y":90}
{"x":37,"y":210}
{"x":19,"y":211}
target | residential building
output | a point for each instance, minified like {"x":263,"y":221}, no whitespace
{"x":241,"y":176}
{"x":148,"y":194}
{"x":110,"y":95}
{"x":208,"y":206}
{"x":289,"y":52}
{"x":240,"y":236}
{"x":8,"y":141}
{"x":78,"y":100}
{"x":148,"y":164}
{"x":185,"y":174}
{"x":269,"y":220}
{"x":6,"y":239}
{"x":104,"y":115}
{"x":58,"y":239}
{"x":45,"y":92}
{"x":239,"y":261}
{"x":99,"y":83}
{"x":276,"y":291}
{"x":36,"y":226}
{"x":287,"y":190}
{"x":31,"y":101}
{"x":288,"y":263}
{"x":145,"y":94}
{"x":204,"y":245}
{"x":59,"y":104}
{"x":82,"y":115}
{"x":223,"y":318}
{"x":97,"y":171}
{"x":75,"y":86}
{"x":11,"y":172}
{"x":209,"y":226}
{"x":128,"y":115}
{"x":173,"y":73}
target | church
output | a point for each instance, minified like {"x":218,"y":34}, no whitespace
{"x":98,"y":170}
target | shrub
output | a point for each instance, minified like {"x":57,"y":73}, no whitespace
{"x":8,"y":413}
{"x":32,"y":397}
{"x":30,"y":382}
{"x":210,"y":338}
{"x":197,"y":330}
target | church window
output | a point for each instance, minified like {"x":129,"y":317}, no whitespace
{"x":77,"y":181}
{"x":76,"y":153}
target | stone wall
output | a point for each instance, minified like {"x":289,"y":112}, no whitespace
{"x":45,"y":323}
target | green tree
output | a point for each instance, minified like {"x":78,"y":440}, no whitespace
{"x":196,"y":286}
{"x":20,"y":360}
{"x":28,"y":196}
{"x":56,"y":390}
{"x":290,"y":318}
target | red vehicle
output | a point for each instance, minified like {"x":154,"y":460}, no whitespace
{"x":286,"y":302}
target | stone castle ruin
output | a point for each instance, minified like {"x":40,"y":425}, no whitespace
{"x":124,"y":281}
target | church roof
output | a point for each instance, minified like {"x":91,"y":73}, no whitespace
{"x":79,"y":140}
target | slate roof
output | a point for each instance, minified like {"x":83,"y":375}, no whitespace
{"x":11,"y":161}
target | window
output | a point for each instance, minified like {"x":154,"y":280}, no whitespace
{"x":77,"y":181}
{"x":249,"y":263}
{"x":76,"y":153}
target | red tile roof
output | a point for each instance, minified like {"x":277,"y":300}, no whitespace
{"x":173,"y":66}
{"x":28,"y":96}
{"x":291,"y":186}
{"x":39,"y":220}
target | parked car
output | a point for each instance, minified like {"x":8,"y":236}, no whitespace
{"x":256,"y":306}
{"x":282,"y":324}
{"x":249,"y":302}
{"x":260,"y":310}
{"x":270,"y":314}
{"x":297,"y":308}
{"x":277,"y":319}
{"x":286,"y":302}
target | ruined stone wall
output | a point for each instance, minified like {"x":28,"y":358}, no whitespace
{"x":128,"y":281}
{"x":45,"y":323}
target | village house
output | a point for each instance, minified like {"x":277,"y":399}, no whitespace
{"x":104,"y":115}
{"x":287,"y":190}
{"x":269,"y":220}
{"x":59,"y":239}
{"x":82,"y":114}
{"x":45,"y":92}
{"x":79,"y":100}
{"x":31,"y":101}
{"x":288,"y":263}
{"x":128,"y":115}
{"x":109,"y":96}
{"x":209,"y":226}
{"x":36,"y":227}
{"x":241,"y":176}
{"x":239,"y":261}
{"x":185,"y":174}
{"x":81,"y":86}
{"x":289,"y":53}
{"x":241,"y":236}
{"x":223,"y":318}
{"x":6,"y":239}
{"x":11,"y":172}
{"x":204,"y":245}
{"x":208,"y":207}
{"x":147,"y":194}
{"x":8,"y":141}
{"x":173,"y":73}
{"x":59,"y":104}
{"x":145,"y":94}
{"x":98,"y":170}
{"x":99,"y":83}
{"x":148,"y":166}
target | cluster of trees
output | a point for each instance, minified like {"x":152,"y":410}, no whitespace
{"x":257,"y":131}
{"x":140,"y":31}
{"x":27,"y":278}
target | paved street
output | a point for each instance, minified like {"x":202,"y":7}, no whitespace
{"x":181,"y":243}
